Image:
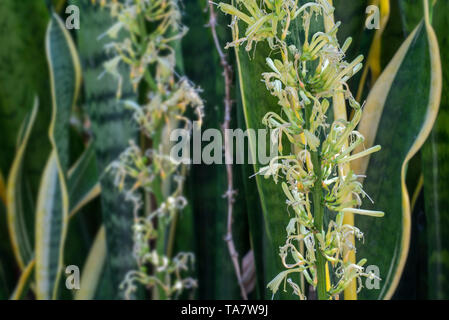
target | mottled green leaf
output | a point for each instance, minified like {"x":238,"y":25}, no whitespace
{"x":53,"y":199}
{"x":112,"y":129}
{"x":51,"y":229}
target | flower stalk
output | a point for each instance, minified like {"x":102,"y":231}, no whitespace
{"x":305,"y":80}
{"x":318,"y":210}
{"x":151,"y":30}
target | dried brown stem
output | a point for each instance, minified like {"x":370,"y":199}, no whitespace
{"x":230,"y":192}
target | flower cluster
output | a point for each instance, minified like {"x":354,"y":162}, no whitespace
{"x":148,"y":47}
{"x":304,"y":80}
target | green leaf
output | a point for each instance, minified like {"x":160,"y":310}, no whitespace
{"x":436,"y":175}
{"x":394,"y":34}
{"x":256,"y":102}
{"x":8,"y":264}
{"x":257,"y":229}
{"x":85,"y":213}
{"x":112,"y":129}
{"x":51,"y":229}
{"x":2,"y":189}
{"x":24,"y":282}
{"x":83,"y":181}
{"x":399,"y":115}
{"x":93,"y":268}
{"x":17,"y":210}
{"x":53,"y":199}
{"x":59,"y":5}
{"x":23,"y":75}
{"x":207,"y":184}
{"x":65,"y":73}
{"x":411,"y":12}
{"x":352,"y":15}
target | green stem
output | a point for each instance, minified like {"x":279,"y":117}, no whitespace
{"x":143,"y":47}
{"x":318,"y":216}
{"x":150,"y":81}
{"x":318,"y":209}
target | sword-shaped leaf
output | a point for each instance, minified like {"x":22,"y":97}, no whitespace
{"x":83,"y":180}
{"x":24,"y":282}
{"x":23,"y":75}
{"x":207,"y":184}
{"x":399,"y":115}
{"x":112,"y":128}
{"x":52,"y":210}
{"x":436,"y":174}
{"x":93,"y":268}
{"x":19,"y":232}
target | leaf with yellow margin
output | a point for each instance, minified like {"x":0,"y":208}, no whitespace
{"x":93,"y":268}
{"x":24,"y":281}
{"x":52,"y":210}
{"x":373,"y":63}
{"x":19,"y":233}
{"x":399,"y":115}
{"x":83,"y":180}
{"x":435,"y":167}
{"x":2,"y":189}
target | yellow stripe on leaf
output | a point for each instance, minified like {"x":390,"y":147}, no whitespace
{"x":52,"y":212}
{"x":376,"y":102}
{"x":373,"y":61}
{"x":2,"y":189}
{"x":18,"y":232}
{"x":24,"y":281}
{"x":93,"y":268}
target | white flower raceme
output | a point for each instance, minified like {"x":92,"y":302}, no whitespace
{"x":304,"y":80}
{"x":149,"y":54}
